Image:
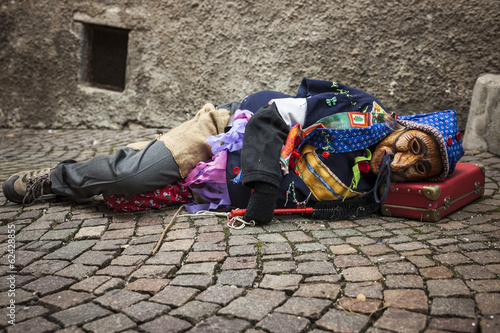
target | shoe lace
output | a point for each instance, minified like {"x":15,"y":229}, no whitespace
{"x":37,"y":182}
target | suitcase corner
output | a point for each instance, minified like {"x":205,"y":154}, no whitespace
{"x":432,"y":192}
{"x":385,"y":210}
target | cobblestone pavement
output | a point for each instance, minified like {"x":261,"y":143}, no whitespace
{"x":83,"y":268}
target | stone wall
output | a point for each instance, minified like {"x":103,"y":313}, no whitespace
{"x":483,"y":122}
{"x":415,"y":56}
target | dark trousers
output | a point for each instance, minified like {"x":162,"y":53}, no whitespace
{"x":127,"y":173}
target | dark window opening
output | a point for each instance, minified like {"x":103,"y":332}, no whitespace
{"x":107,"y":57}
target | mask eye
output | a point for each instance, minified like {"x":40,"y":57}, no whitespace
{"x":420,"y":167}
{"x":416,"y":147}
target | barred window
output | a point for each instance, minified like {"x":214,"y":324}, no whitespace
{"x":106,"y":56}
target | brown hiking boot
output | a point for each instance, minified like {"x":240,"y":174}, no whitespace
{"x":27,"y":186}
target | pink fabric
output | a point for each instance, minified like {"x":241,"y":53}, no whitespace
{"x":212,"y":176}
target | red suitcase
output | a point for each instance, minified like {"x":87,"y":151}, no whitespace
{"x":431,"y":201}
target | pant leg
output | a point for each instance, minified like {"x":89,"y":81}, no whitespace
{"x":126,"y":173}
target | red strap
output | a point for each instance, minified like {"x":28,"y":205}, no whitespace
{"x":306,"y":210}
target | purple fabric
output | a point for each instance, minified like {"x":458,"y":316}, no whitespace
{"x":233,"y":139}
{"x":212,"y":174}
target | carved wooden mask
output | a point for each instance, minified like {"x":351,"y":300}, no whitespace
{"x":416,"y":155}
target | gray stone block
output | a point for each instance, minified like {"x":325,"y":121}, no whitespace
{"x":482,"y":132}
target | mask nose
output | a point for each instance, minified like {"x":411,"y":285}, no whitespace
{"x":402,"y":161}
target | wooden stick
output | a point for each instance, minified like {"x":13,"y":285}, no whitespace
{"x":165,"y":231}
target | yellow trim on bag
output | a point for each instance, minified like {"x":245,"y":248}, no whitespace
{"x":322,"y":182}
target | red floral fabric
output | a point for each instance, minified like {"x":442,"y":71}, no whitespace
{"x":159,"y":198}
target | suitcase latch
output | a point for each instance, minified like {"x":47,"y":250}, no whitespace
{"x":477,"y":188}
{"x":447,"y":203}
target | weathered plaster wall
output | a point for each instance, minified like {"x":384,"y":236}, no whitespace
{"x":415,"y":56}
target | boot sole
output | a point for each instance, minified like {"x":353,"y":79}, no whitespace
{"x":9,"y":192}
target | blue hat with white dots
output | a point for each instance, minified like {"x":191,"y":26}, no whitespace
{"x":443,"y":126}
